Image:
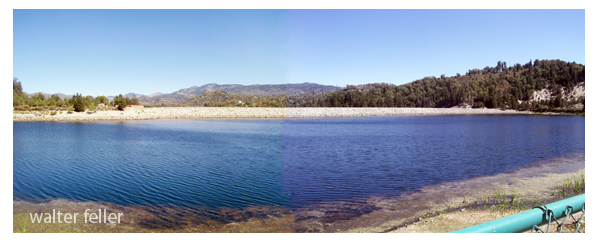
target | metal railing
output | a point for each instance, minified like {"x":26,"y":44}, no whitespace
{"x":532,"y":219}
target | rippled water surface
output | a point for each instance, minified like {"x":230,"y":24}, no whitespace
{"x":289,"y":163}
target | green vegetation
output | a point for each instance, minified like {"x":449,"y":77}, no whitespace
{"x":22,"y":220}
{"x":101,"y":100}
{"x":181,"y":96}
{"x":227,"y":99}
{"x":491,"y":87}
{"x":120,"y":102}
{"x":134,"y":100}
{"x":18,"y":96}
{"x":92,"y":107}
{"x":502,"y":201}
{"x":570,"y":187}
{"x":39,"y":102}
{"x":501,"y":87}
{"x":78,"y":103}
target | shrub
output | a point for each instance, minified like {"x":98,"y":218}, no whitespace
{"x":71,"y":109}
{"x":121,"y":104}
{"x":53,"y":113}
{"x":92,"y":107}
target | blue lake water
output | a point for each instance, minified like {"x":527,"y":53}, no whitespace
{"x":289,"y":163}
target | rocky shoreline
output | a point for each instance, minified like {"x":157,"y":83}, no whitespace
{"x":247,"y":113}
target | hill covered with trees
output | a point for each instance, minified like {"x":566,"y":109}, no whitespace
{"x":502,"y":86}
{"x":542,"y":85}
{"x":228,"y":99}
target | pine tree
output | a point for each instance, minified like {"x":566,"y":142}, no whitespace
{"x":78,"y":103}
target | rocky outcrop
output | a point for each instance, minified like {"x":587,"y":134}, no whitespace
{"x":545,"y":94}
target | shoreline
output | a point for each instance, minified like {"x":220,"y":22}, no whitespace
{"x":252,"y":113}
{"x":373,"y":214}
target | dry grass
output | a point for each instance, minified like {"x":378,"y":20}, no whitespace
{"x":531,"y":187}
{"x":500,"y":205}
{"x":449,"y":222}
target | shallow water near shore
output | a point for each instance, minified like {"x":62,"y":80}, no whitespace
{"x":221,"y":169}
{"x":536,"y":184}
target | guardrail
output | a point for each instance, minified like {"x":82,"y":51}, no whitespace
{"x":532,"y":219}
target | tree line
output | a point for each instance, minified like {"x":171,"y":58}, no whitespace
{"x":77,"y":102}
{"x":228,"y":99}
{"x":502,"y":86}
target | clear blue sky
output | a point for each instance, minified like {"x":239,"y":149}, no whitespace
{"x":107,"y":52}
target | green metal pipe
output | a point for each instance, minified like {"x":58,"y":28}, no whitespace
{"x":526,"y":220}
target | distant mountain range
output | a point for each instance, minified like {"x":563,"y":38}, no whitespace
{"x":130,"y":95}
{"x":62,"y":95}
{"x":183,"y":95}
{"x":47,"y":95}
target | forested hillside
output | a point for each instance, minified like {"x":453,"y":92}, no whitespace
{"x":227,"y":99}
{"x":502,"y":86}
{"x":542,"y":85}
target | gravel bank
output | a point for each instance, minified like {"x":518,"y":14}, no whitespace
{"x":230,"y":113}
